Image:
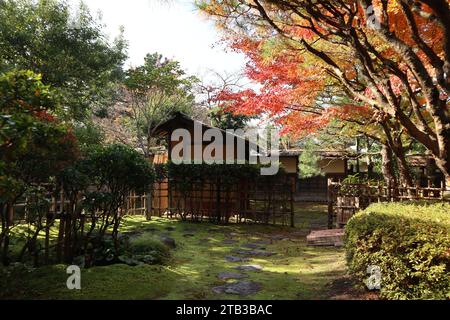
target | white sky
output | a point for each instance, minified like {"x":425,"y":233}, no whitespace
{"x":175,"y":29}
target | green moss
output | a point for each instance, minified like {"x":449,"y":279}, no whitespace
{"x":295,"y":272}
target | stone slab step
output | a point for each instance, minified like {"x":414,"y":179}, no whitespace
{"x":327,"y":237}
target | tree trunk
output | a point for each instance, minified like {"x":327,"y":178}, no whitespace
{"x":394,"y":141}
{"x":8,"y":223}
{"x":444,"y":166}
{"x":387,"y":169}
{"x":403,"y":169}
{"x":60,"y":241}
{"x":405,"y":175}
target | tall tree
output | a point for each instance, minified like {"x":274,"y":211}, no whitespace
{"x":70,"y":50}
{"x":157,"y":89}
{"x":226,"y":119}
{"x":219,"y":112}
{"x":159,"y":74}
{"x":393,"y":56}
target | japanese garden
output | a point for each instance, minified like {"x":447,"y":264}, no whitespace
{"x":314,"y":164}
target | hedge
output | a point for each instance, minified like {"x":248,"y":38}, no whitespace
{"x":410,"y":243}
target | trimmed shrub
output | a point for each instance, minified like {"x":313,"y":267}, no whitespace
{"x":410,"y":243}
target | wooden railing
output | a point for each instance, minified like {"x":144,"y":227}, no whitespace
{"x":344,"y":199}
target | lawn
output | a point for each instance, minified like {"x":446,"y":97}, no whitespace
{"x":296,"y":271}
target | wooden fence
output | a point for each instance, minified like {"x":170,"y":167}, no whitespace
{"x":56,"y":200}
{"x":345,"y":199}
{"x":261,"y":201}
{"x":215,"y":201}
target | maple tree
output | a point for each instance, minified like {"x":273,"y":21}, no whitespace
{"x":34,"y":144}
{"x":389,"y":58}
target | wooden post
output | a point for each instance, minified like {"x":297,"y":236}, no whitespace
{"x":218,"y":200}
{"x":148,"y":205}
{"x":379,"y":191}
{"x":330,"y":203}
{"x":134,"y":202}
{"x":292,"y":208}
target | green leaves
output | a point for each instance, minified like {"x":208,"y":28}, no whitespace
{"x":159,"y":74}
{"x":409,"y":242}
{"x":70,"y":51}
{"x":113,"y":169}
{"x":33,"y":145}
{"x":120,"y":168}
{"x":185,"y":174}
{"x":158,"y":89}
{"x":223,"y":119}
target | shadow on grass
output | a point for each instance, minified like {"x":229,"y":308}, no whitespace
{"x":295,"y":272}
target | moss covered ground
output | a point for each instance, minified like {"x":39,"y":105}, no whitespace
{"x":296,"y":271}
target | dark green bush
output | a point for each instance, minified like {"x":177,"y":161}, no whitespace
{"x":186,"y":174}
{"x":145,"y":249}
{"x":409,"y":242}
{"x":102,"y":179}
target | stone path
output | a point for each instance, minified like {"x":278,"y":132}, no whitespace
{"x":263,"y":242}
{"x":254,"y":248}
{"x":231,"y":275}
{"x":230,"y":258}
{"x":188,"y":234}
{"x":241,"y":288}
{"x":229,"y":241}
{"x":249,"y":267}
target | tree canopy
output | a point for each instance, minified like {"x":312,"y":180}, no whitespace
{"x":70,"y":50}
{"x":390,"y":58}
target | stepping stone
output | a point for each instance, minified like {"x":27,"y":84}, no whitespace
{"x":188,"y":234}
{"x":254,"y":252}
{"x":231,"y":275}
{"x":168,"y":241}
{"x":249,"y":267}
{"x":253,"y":246}
{"x":229,"y":241}
{"x":327,"y":237}
{"x":235,"y":259}
{"x":263,"y":242}
{"x":242,"y":288}
{"x":279,"y":237}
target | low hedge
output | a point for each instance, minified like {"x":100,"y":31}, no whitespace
{"x":410,"y":243}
